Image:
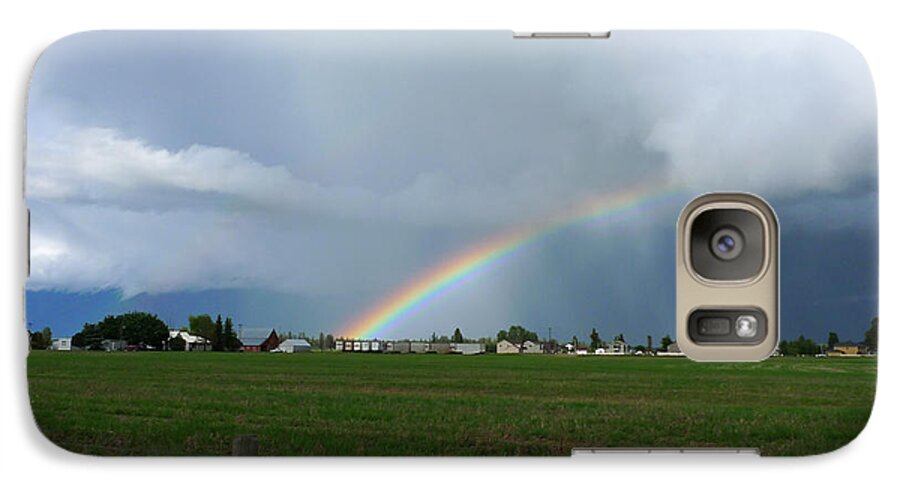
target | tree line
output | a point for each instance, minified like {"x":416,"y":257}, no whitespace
{"x":146,"y":330}
{"x":807,"y":346}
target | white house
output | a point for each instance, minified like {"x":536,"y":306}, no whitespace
{"x":294,"y":346}
{"x":467,"y":348}
{"x":192,"y":343}
{"x":617,"y":347}
{"x":62,"y":344}
{"x":506,"y":346}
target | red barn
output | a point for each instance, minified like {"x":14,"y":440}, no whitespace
{"x":258,"y":339}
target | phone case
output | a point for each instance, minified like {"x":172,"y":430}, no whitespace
{"x":437,"y":243}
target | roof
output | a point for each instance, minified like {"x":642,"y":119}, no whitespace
{"x":848,"y":343}
{"x":187,"y":337}
{"x":254,"y":336}
{"x":295,"y":342}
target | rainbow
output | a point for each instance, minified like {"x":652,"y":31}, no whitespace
{"x":443,"y":277}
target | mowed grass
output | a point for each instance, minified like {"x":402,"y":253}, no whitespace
{"x":373,"y":404}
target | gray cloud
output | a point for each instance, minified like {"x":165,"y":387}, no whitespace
{"x":339,"y":164}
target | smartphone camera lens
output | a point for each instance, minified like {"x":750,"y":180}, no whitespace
{"x":745,"y":326}
{"x":726,"y":244}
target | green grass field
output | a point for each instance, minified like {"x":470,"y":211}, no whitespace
{"x":364,"y":404}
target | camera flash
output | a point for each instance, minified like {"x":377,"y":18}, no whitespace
{"x":745,"y":326}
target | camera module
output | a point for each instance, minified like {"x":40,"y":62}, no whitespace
{"x":727,"y":244}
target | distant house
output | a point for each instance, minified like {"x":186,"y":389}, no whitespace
{"x":506,"y":346}
{"x":258,"y":339}
{"x":672,"y":350}
{"x":581,"y":351}
{"x":114,"y":345}
{"x":397,"y":347}
{"x":617,"y":347}
{"x":419,"y":347}
{"x":531,"y":347}
{"x":294,"y":346}
{"x":467,"y":348}
{"x":439,"y":347}
{"x":847,"y":348}
{"x":61,"y":344}
{"x":192,"y":343}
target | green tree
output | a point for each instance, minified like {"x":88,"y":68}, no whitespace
{"x":800,"y":346}
{"x":457,"y":336}
{"x":833,"y":339}
{"x":176,"y":344}
{"x":871,"y":336}
{"x":78,"y":340}
{"x":664,"y":343}
{"x":47,"y":335}
{"x":92,"y":336}
{"x":321,"y":340}
{"x":37,"y":341}
{"x":202,"y":325}
{"x":329,"y":341}
{"x":218,"y":343}
{"x":231,"y":341}
{"x":133,"y":327}
{"x":596,"y":342}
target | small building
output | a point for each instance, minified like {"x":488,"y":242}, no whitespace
{"x":617,"y":347}
{"x":581,"y":351}
{"x":531,"y":347}
{"x":339,"y":345}
{"x":365,"y":346}
{"x":61,"y":344}
{"x":439,"y":347}
{"x":294,"y":346}
{"x":672,"y":350}
{"x":419,"y":347}
{"x":114,"y":345}
{"x":376,"y":346}
{"x":397,"y":347}
{"x":847,"y":348}
{"x":357,"y":346}
{"x":467,"y":348}
{"x":192,"y":343}
{"x":258,"y":339}
{"x":506,"y":346}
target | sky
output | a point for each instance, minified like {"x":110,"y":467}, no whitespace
{"x":298,"y":180}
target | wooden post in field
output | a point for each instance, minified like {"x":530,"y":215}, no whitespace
{"x":245,"y":445}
